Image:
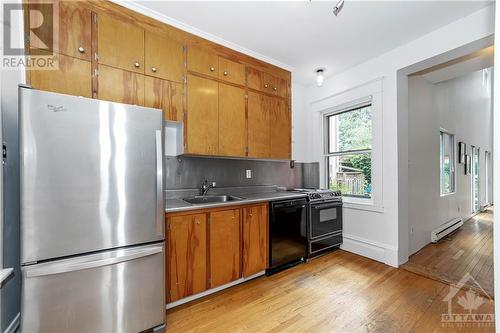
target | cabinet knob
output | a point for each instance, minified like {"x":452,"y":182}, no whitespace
{"x":212,"y":69}
{"x":153,"y":69}
{"x":266,"y":85}
{"x":197,"y":222}
{"x":275,"y":89}
{"x":137,"y":65}
{"x":81,"y":49}
{"x":225,"y":73}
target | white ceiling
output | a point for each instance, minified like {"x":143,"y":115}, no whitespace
{"x":306,"y":35}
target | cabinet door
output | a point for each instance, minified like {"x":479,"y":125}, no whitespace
{"x":255,"y":239}
{"x":164,"y":57}
{"x":75,"y":25}
{"x":254,"y":78}
{"x":231,"y":71}
{"x":232,"y":133}
{"x":120,"y":86}
{"x":280,"y":119}
{"x":225,"y":251}
{"x":120,"y":44}
{"x":269,"y":83}
{"x":202,"y":124}
{"x":202,"y":61}
{"x":72,"y":77}
{"x":157,"y":95}
{"x":186,"y":256}
{"x":283,"y":88}
{"x":258,"y":125}
{"x":176,"y":101}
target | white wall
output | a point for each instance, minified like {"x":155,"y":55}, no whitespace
{"x":376,"y":233}
{"x":462,"y":106}
{"x":299,"y":123}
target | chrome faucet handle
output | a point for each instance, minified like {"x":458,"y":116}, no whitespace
{"x":214,"y":184}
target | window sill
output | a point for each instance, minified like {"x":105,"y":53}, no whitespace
{"x":447,"y":194}
{"x":368,"y":206}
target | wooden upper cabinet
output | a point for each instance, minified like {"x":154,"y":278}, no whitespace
{"x":164,"y":95}
{"x":283,"y":88}
{"x":255,"y":239}
{"x":120,"y":44}
{"x":225,"y":251}
{"x":202,"y":123}
{"x":72,"y":77}
{"x":202,"y":61}
{"x":254,"y":78}
{"x":269,"y":83}
{"x":186,"y":268}
{"x":281,"y":122}
{"x":231,"y":71}
{"x":120,"y":86}
{"x":75,"y":26}
{"x":258,"y":125}
{"x":164,"y":57}
{"x":232,"y":122}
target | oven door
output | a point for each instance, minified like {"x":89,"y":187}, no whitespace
{"x":326,"y":218}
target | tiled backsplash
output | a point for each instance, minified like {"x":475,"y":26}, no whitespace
{"x":189,"y":172}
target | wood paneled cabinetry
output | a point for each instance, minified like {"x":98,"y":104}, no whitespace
{"x":213,"y":247}
{"x":186,"y":256}
{"x":231,"y":104}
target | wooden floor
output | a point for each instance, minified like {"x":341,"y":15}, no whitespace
{"x":467,"y":250}
{"x":339,"y":292}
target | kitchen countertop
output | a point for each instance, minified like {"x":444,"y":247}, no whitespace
{"x":179,"y":205}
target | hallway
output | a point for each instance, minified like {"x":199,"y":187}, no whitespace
{"x":467,"y":250}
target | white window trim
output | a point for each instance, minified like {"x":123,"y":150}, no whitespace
{"x":342,"y":101}
{"x":454,"y":162}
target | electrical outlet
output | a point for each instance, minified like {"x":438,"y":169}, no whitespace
{"x":249,"y":174}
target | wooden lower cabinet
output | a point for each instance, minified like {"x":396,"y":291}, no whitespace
{"x":213,"y":247}
{"x":72,"y":76}
{"x":186,"y":256}
{"x":255,"y":239}
{"x":225,"y":247}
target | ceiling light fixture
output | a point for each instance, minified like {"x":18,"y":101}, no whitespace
{"x":320,"y":76}
{"x":338,"y":7}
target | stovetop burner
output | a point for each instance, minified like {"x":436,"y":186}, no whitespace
{"x":320,"y":194}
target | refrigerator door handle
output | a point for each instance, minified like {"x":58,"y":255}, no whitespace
{"x":71,"y":265}
{"x":159,"y":183}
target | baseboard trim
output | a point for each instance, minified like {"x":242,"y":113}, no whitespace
{"x":14,"y":325}
{"x":371,"y":249}
{"x":213,"y":290}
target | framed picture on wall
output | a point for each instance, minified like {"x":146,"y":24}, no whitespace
{"x":462,"y":147}
{"x":468,"y":164}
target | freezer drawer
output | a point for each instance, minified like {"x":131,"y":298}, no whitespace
{"x":114,"y":291}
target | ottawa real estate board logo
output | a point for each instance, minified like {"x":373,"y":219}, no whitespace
{"x":468,"y":305}
{"x":29,"y":35}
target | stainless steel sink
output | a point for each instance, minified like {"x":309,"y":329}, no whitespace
{"x":206,"y":199}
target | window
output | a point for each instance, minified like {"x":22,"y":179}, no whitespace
{"x":348,"y":153}
{"x":447,"y":162}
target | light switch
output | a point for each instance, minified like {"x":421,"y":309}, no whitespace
{"x":249,"y":173}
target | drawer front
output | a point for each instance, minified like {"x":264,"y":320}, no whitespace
{"x":114,"y":291}
{"x":322,"y":244}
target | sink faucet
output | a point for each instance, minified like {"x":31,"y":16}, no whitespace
{"x":205,"y":187}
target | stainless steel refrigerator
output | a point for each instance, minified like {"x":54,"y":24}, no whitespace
{"x":92,"y":238}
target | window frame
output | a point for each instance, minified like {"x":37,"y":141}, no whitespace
{"x":327,"y":152}
{"x":453,"y":163}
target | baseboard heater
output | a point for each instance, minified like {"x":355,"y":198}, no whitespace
{"x":445,"y":229}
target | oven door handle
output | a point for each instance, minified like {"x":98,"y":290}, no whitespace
{"x":326,"y":205}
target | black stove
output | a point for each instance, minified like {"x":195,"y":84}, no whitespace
{"x":324,"y":226}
